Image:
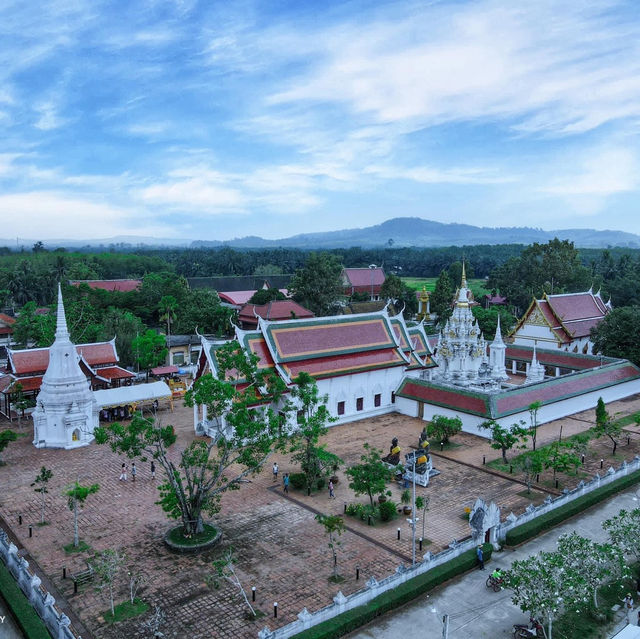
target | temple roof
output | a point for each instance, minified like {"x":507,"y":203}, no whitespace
{"x":364,"y":277}
{"x":515,"y":400}
{"x":36,"y":360}
{"x":275,"y":310}
{"x":123,"y":286}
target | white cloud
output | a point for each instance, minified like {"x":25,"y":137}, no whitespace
{"x":433,"y":175}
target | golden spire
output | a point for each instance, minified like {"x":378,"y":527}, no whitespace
{"x":464,"y":277}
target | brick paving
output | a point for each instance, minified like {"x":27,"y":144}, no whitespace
{"x":280,"y":548}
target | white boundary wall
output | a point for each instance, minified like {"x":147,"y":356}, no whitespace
{"x":58,"y":624}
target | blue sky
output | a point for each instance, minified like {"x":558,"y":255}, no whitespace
{"x":214,"y":120}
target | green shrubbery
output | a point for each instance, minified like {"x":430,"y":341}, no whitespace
{"x":386,"y":511}
{"x":392,"y":599}
{"x":534,"y":527}
{"x":299,"y":481}
{"x":31,"y":625}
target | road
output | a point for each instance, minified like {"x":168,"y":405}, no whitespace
{"x":474,"y":610}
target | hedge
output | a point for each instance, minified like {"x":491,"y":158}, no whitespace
{"x":522,"y":533}
{"x":391,"y":599}
{"x":31,"y":625}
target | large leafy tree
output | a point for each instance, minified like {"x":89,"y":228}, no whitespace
{"x":266,"y":295}
{"x":617,"y":334}
{"x":488,"y":320}
{"x":395,"y":289}
{"x":6,"y":436}
{"x":125,"y":327}
{"x":201,"y":310}
{"x":167,"y":308}
{"x":504,"y":439}
{"x":313,"y":416}
{"x":244,"y":424}
{"x":624,"y":531}
{"x":442,"y":297}
{"x":317,"y":286}
{"x":530,"y":464}
{"x":441,"y":428}
{"x":371,"y":475}
{"x":150,"y":349}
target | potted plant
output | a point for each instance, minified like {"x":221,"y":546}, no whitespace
{"x":405,"y":498}
{"x":382,"y":497}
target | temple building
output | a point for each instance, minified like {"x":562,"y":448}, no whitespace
{"x":357,"y":360}
{"x":66,"y":412}
{"x":363,"y":280}
{"x":562,"y":321}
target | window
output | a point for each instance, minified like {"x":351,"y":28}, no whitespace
{"x":194,"y":357}
{"x":178,"y":358}
{"x":393,"y":397}
{"x":377,"y":399}
{"x":360,"y":403}
{"x":340,"y":408}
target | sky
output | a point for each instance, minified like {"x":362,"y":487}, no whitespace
{"x":215,"y":120}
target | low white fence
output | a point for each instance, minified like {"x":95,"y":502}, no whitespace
{"x":57,"y":623}
{"x":373,"y":588}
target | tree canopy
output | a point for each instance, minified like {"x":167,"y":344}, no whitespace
{"x":317,"y":286}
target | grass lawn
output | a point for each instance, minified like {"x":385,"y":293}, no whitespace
{"x":416,"y":283}
{"x":177,"y":536}
{"x":126,"y":610}
{"x":81,"y":547}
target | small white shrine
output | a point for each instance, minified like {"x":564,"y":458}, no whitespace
{"x":66,"y":412}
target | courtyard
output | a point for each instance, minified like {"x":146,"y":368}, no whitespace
{"x":281,"y":549}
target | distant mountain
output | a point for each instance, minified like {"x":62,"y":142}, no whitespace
{"x":399,"y":231}
{"x":415,"y":231}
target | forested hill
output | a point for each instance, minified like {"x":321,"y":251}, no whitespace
{"x":413,"y":231}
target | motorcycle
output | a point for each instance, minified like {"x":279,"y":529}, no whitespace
{"x":523,"y":631}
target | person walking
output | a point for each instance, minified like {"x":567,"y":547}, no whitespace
{"x":133,"y":471}
{"x":331,"y":493}
{"x":153,"y":470}
{"x":123,"y":472}
{"x":480,"y":556}
{"x":275,"y":471}
{"x":285,"y":483}
{"x":628,"y":606}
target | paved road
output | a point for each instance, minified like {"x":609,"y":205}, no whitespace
{"x":474,"y":611}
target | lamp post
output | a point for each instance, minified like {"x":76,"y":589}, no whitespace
{"x":372,"y":267}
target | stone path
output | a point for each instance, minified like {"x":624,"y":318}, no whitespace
{"x":281,"y":549}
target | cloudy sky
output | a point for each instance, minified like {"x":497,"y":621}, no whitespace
{"x":214,"y":120}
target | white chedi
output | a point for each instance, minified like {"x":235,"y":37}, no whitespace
{"x":66,"y":412}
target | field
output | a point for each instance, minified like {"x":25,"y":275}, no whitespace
{"x":416,"y":283}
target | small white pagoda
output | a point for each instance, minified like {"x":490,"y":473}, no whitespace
{"x":66,"y":412}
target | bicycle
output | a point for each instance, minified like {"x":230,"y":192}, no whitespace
{"x":493,"y":583}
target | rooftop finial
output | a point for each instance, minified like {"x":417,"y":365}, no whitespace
{"x":464,"y":277}
{"x":61,"y":320}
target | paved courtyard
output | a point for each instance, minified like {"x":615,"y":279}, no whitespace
{"x":281,"y":549}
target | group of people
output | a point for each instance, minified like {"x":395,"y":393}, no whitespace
{"x":134,"y":471}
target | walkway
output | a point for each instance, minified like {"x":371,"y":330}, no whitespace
{"x":474,"y":611}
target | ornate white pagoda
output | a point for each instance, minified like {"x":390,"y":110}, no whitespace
{"x":66,"y":412}
{"x":462,"y":350}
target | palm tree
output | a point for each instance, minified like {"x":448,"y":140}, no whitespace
{"x":167,"y":308}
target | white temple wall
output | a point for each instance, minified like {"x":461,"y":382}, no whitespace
{"x":529,"y":333}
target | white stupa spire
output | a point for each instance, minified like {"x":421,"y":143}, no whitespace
{"x":61,"y":321}
{"x":536,"y":370}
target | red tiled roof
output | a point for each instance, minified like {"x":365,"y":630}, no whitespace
{"x":28,"y":383}
{"x":311,"y":339}
{"x":561,"y":359}
{"x":345,"y":364}
{"x":6,"y":330}
{"x":164,"y":370}
{"x":123,"y":286}
{"x":273,"y":311}
{"x":362,"y":277}
{"x":36,"y":360}
{"x":7,"y":319}
{"x":447,"y":397}
{"x":114,"y":372}
{"x":5,"y":380}
{"x":577,"y":306}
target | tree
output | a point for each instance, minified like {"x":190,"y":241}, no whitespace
{"x":76,"y":496}
{"x":616,"y":334}
{"x":41,"y":482}
{"x":6,"y":436}
{"x":21,"y":402}
{"x":533,"y":409}
{"x":317,"y":286}
{"x":595,"y":564}
{"x":334,"y":527}
{"x":441,"y":428}
{"x":370,"y":477}
{"x":125,"y":327}
{"x":422,"y":503}
{"x":442,"y":297}
{"x":504,"y":439}
{"x":137,"y":579}
{"x":543,"y":585}
{"x":201,"y":310}
{"x":315,"y":461}
{"x":605,"y":426}
{"x":107,"y":566}
{"x":167,"y":308}
{"x":266,"y":295}
{"x":154,"y":623}
{"x":267,"y":269}
{"x":244,"y":424}
{"x":395,"y":289}
{"x":487,"y":319}
{"x":530,"y":464}
{"x":150,"y":349}
{"x":561,"y":457}
{"x":224,"y":569}
{"x":624,"y":531}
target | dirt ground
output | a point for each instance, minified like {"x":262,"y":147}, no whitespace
{"x":281,"y":549}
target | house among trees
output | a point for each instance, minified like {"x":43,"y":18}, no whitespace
{"x":6,"y":328}
{"x":122,"y":286}
{"x":274,"y":311}
{"x":366,"y":281}
{"x":562,"y":321}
